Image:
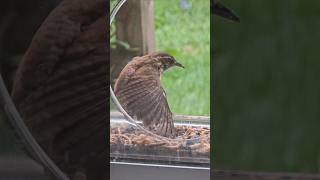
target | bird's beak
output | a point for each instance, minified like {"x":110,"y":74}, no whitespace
{"x":178,"y":64}
{"x":221,"y":10}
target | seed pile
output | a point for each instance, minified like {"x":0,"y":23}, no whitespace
{"x":190,"y":141}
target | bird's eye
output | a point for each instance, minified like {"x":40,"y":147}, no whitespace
{"x":159,"y":66}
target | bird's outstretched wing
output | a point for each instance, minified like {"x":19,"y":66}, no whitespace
{"x":60,"y":86}
{"x":144,"y":99}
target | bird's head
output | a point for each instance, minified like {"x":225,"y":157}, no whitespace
{"x":164,"y":60}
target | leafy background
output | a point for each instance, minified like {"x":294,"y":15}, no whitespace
{"x":267,"y":90}
{"x":185,"y":34}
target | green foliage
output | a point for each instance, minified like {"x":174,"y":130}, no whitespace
{"x":268,"y":92}
{"x":185,"y":34}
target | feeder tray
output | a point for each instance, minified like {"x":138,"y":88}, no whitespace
{"x":190,"y":147}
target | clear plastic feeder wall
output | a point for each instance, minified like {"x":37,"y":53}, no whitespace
{"x":128,"y":143}
{"x":134,"y":33}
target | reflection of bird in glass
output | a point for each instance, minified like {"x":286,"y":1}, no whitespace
{"x":218,"y":9}
{"x":140,"y":93}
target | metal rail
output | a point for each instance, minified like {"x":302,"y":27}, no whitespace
{"x":138,"y":171}
{"x":256,"y":175}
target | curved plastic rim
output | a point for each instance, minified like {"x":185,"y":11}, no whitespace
{"x":23,"y":132}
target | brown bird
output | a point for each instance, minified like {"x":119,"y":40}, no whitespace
{"x":220,"y":10}
{"x":139,"y":91}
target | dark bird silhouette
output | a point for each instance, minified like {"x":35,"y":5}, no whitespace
{"x":218,"y":9}
{"x":139,"y":91}
{"x":60,"y":87}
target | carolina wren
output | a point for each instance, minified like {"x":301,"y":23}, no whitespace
{"x":139,"y":91}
